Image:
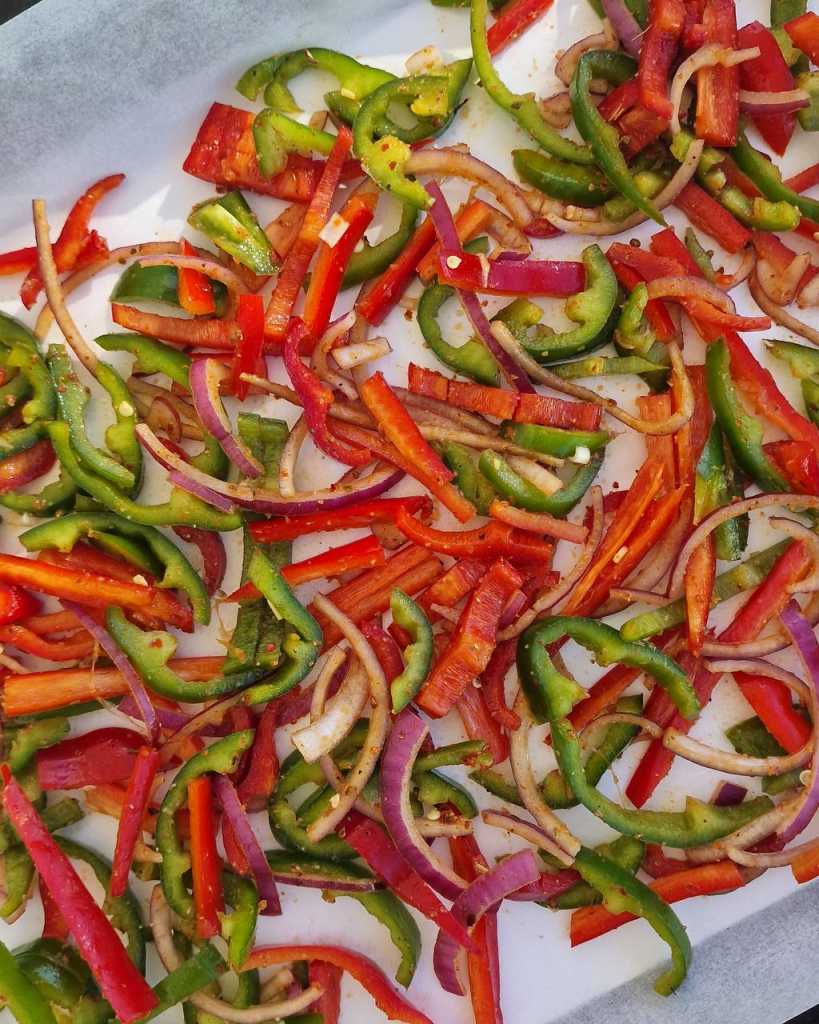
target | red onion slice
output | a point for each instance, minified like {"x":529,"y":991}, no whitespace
{"x":625,"y":26}
{"x":210,"y":497}
{"x":773,"y":102}
{"x":402,"y":746}
{"x":729,"y":794}
{"x":205,"y":376}
{"x":487,"y":891}
{"x":243,"y":830}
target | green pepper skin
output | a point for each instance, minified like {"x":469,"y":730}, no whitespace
{"x":289,"y":832}
{"x":513,"y":488}
{"x":570,"y":182}
{"x":386,"y":908}
{"x":150,"y":356}
{"x":810,"y":393}
{"x":55,"y":816}
{"x":158,"y":284}
{"x":524,"y":108}
{"x":768,"y":179}
{"x":417,"y":655}
{"x":700,"y":255}
{"x":472,"y":359}
{"x":436,"y":789}
{"x":554,"y":440}
{"x":56,"y":969}
{"x":26,"y":741}
{"x":373,"y":260}
{"x":621,"y":891}
{"x":275,"y":73}
{"x":196,"y":973}
{"x":602,"y":137}
{"x":18,"y":876}
{"x":229,"y":223}
{"x":16,"y":390}
{"x":714,"y":487}
{"x":239,"y":925}
{"x":52,"y":498}
{"x":223,"y":757}
{"x":743,"y":431}
{"x":808,"y":117}
{"x":802,"y":360}
{"x":468,"y":479}
{"x":276,"y":135}
{"x":21,"y":994}
{"x":63,"y":534}
{"x":603,"y":366}
{"x":626,"y":852}
{"x":753,"y":739}
{"x":43,"y":403}
{"x":634,"y":333}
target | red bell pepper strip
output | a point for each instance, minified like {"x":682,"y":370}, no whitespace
{"x":78,"y":645}
{"x":602,"y":695}
{"x":262,"y":774}
{"x":658,"y":864}
{"x":660,"y":44}
{"x":808,"y":178}
{"x":700,"y":574}
{"x":798,"y":463}
{"x":490,"y":541}
{"x":472,"y":643}
{"x":23,"y":467}
{"x":327,"y":977}
{"x":399,"y":428}
{"x":194,"y":289}
{"x":690,"y":440}
{"x":660,"y":446}
{"x":16,"y":604}
{"x":137,"y":798}
{"x":767,"y":73}
{"x":771,"y":248}
{"x":18,"y":261}
{"x":717,"y":118}
{"x":638,"y":128}
{"x":513,"y":20}
{"x":473,"y":273}
{"x":387,"y":289}
{"x":212,"y":549}
{"x":294,"y":268}
{"x":99,"y":945}
{"x":377,"y":850}
{"x":54,"y":926}
{"x":248,"y":357}
{"x":706,"y":880}
{"x":706,"y":214}
{"x":469,"y":220}
{"x":385,"y":647}
{"x":483,"y":967}
{"x":621,"y":99}
{"x":361,"y":514}
{"x":316,"y":398}
{"x":331,"y":261}
{"x":103,"y":755}
{"x":480,"y":724}
{"x":206,"y":868}
{"x":656,"y":312}
{"x":804,"y":33}
{"x":448,"y":590}
{"x":365,"y":972}
{"x":493,"y":683}
{"x":214,"y":333}
{"x":73,"y":237}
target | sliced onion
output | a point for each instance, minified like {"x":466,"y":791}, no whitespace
{"x":690,"y":288}
{"x":786,"y":102}
{"x":777,"y":859}
{"x":467,"y":420}
{"x":349,"y":356}
{"x":289,"y":457}
{"x":566,"y":65}
{"x":624,"y":25}
{"x":649,"y":728}
{"x":536,"y":474}
{"x":756,"y":666}
{"x":331,"y":722}
{"x":512,"y":241}
{"x":557,"y":109}
{"x":480,"y":897}
{"x":808,"y":296}
{"x":529,"y":791}
{"x":708,"y":56}
{"x":527,"y":830}
{"x":748,"y":835}
{"x":334,"y":333}
{"x":184,"y":482}
{"x":538,"y":523}
{"x":206,"y":375}
{"x":310,"y":876}
{"x":728,"y":794}
{"x":404,"y":741}
{"x":269,"y":903}
{"x":780,"y":286}
{"x":728,"y":761}
{"x":633,"y":596}
{"x":135,"y":684}
{"x":483,"y":442}
{"x":209,"y":267}
{"x":746,"y":264}
{"x":163,"y":418}
{"x":161,"y":926}
{"x":779,"y":315}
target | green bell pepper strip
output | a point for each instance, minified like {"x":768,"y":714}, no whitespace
{"x":373,"y":260}
{"x":512,"y":487}
{"x":60,"y":814}
{"x":196,"y":973}
{"x":417,"y":655}
{"x":56,"y":969}
{"x":158,"y":284}
{"x":289,"y":862}
{"x":714,"y":486}
{"x":436,"y":789}
{"x":633,"y":332}
{"x":758,"y":213}
{"x":53,"y":497}
{"x":13,"y":392}
{"x":26,"y":741}
{"x":258,"y":76}
{"x":150,"y":356}
{"x":453,"y":753}
{"x":239,"y":925}
{"x":700,"y":255}
{"x":179,"y":574}
{"x":551,"y":696}
{"x":223,"y":757}
{"x":802,"y":360}
{"x":621,"y":892}
{"x":303,"y":639}
{"x":20,"y":439}
{"x":523,"y":107}
{"x":493,"y":782}
{"x":274,"y":74}
{"x":468,"y":479}
{"x":554,"y":440}
{"x":296,"y":772}
{"x":21,"y":994}
{"x":753,"y":739}
{"x":182,"y":509}
{"x":149,"y":653}
{"x":808,"y":117}
{"x":648,"y":183}
{"x":746,"y":576}
{"x":768,"y":178}
{"x":626,"y":852}
{"x":570,"y":182}
{"x":743,"y":432}
{"x":276,"y":135}
{"x":25,"y":357}
{"x":603,"y":366}
{"x":472,"y":359}
{"x":230,"y":224}
{"x":257,"y":636}
{"x":810,"y":393}
{"x":18,"y":877}
{"x":132,"y":551}
{"x":290,"y":833}
{"x":602,"y":137}
{"x":386,"y":908}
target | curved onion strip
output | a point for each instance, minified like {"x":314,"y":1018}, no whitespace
{"x":290,"y":454}
{"x":527,"y":830}
{"x":54,"y":291}
{"x":624,"y":25}
{"x":808,"y":297}
{"x":210,"y":718}
{"x":209,"y":267}
{"x":684,"y":173}
{"x":747,"y":262}
{"x":723,"y":515}
{"x":763,"y":647}
{"x":529,"y":790}
{"x":781,"y":859}
{"x":206,"y":376}
{"x":729,"y":761}
{"x":331,"y":722}
{"x":567,"y":62}
{"x":708,"y":56}
{"x":779,"y":285}
{"x":452,"y":161}
{"x":334,"y":332}
{"x":756,"y":666}
{"x":785,"y":102}
{"x":798,"y":531}
{"x":402,"y":747}
{"x":482,"y":442}
{"x":161,"y":924}
{"x":690,"y":288}
{"x":754,"y":832}
{"x":236,"y":816}
{"x":511,"y":240}
{"x":648,"y":727}
{"x":631,"y":595}
{"x":359,"y":775}
{"x":467,"y":420}
{"x":779,"y":315}
{"x":348,"y":357}
{"x":557,"y":109}
{"x":678,"y":419}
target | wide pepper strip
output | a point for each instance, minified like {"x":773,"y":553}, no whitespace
{"x":709,"y":216}
{"x":365,"y":972}
{"x":380,"y":297}
{"x":361,"y":514}
{"x":298,"y":259}
{"x":194,"y":289}
{"x":798,"y":463}
{"x":717,"y":117}
{"x":804,"y":33}
{"x":469,"y":220}
{"x":656,"y":311}
{"x":135,"y":805}
{"x":262,"y":773}
{"x":473,"y":641}
{"x":491,"y":541}
{"x":398,"y":427}
{"x":768,"y":72}
{"x":100,"y":756}
{"x":206,"y":868}
{"x":660,"y":43}
{"x":118,"y":978}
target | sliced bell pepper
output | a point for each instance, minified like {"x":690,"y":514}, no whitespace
{"x":385,"y":647}
{"x":493,"y":685}
{"x":709,"y":216}
{"x":512,"y":21}
{"x":699,"y":588}
{"x":473,"y":641}
{"x":805,"y":866}
{"x":469,"y":220}
{"x":328,"y":978}
{"x":18,"y":261}
{"x":259,"y":781}
{"x":659,"y":48}
{"x":16,"y":604}
{"x":655,"y":310}
{"x":361,"y":514}
{"x":467,"y":271}
{"x":249,"y":348}
{"x":448,"y":590}
{"x":385,"y":292}
{"x":717,"y":116}
{"x":194,"y":289}
{"x":102,"y":755}
{"x":804,"y":31}
{"x":768,"y":72}
{"x":768,"y":178}
{"x":798,"y":463}
{"x":135,"y":805}
{"x":220,"y":334}
{"x":120,"y":982}
{"x":332,"y":260}
{"x":493,"y":540}
{"x":409,"y":617}
{"x":21,"y":994}
{"x":206,"y":868}
{"x":480,"y":724}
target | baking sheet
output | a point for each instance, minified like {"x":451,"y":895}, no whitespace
{"x":92,"y":88}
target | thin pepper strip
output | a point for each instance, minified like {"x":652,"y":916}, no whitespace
{"x":206,"y":867}
{"x":493,"y":540}
{"x":361,"y":514}
{"x":135,"y":805}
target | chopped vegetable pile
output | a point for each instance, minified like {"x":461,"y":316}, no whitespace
{"x":461,"y":590}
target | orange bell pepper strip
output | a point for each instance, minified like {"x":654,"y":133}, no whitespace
{"x":700,"y":574}
{"x":206,"y":868}
{"x":493,"y":540}
{"x":135,"y":804}
{"x":690,"y":440}
{"x":194,"y":288}
{"x":331,"y":261}
{"x":706,"y":880}
{"x":469,"y":220}
{"x":448,"y":590}
{"x":805,"y":866}
{"x":399,"y":428}
{"x":70,"y":648}
{"x":365,"y":972}
{"x":386,"y":290}
{"x":361,"y":514}
{"x":660,"y":446}
{"x":213,"y":333}
{"x":248,"y":357}
{"x":804,"y":32}
{"x":472,"y":642}
{"x":298,"y":259}
{"x":18,"y":261}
